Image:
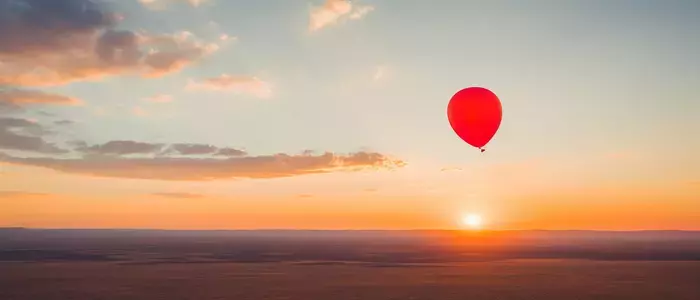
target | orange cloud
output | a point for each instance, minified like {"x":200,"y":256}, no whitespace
{"x":238,"y":84}
{"x":82,"y":44}
{"x":172,"y":168}
{"x":161,"y":98}
{"x":451,"y":169}
{"x":178,"y":195}
{"x":22,"y":96}
{"x":328,"y":13}
{"x":139,"y":111}
{"x":12,"y":194}
{"x":333,"y":11}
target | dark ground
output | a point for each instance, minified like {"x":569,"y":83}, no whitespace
{"x":329,"y":265}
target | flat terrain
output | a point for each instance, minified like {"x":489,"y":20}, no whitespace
{"x":530,"y":279}
{"x":339,"y":265}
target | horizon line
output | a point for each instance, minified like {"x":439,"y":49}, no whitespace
{"x":352,"y":230}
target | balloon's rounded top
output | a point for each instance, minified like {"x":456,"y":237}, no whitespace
{"x":475,"y":115}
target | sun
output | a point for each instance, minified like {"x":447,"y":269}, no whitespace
{"x":472,"y":221}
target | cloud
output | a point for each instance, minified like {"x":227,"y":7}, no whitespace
{"x":361,"y":11}
{"x":25,"y":135}
{"x":230,"y":152}
{"x":161,"y":98}
{"x":14,"y":100}
{"x":170,"y":168}
{"x":126,"y":147}
{"x":328,"y":13}
{"x":138,"y":111}
{"x":162,"y":4}
{"x":64,"y":122}
{"x":193,"y":149}
{"x":22,"y":96}
{"x":47,"y":42}
{"x":451,"y":169}
{"x":238,"y":84}
{"x":333,"y":11}
{"x":12,"y":194}
{"x":202,"y":149}
{"x":121,"y":148}
{"x":178,"y":195}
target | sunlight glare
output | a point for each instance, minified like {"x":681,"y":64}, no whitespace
{"x":473,"y":221}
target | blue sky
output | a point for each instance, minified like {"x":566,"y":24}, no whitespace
{"x":607,"y":75}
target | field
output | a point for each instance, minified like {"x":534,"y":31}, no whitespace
{"x":92,"y":265}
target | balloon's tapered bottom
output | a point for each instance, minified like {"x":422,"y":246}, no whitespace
{"x":482,"y":150}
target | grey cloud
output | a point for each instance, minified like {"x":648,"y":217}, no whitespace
{"x":193,"y":149}
{"x":24,"y":135}
{"x":52,"y":42}
{"x":121,"y":148}
{"x":64,"y":122}
{"x":125,"y":147}
{"x":231,"y":152}
{"x":30,"y":27}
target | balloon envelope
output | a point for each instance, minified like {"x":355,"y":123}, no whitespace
{"x":475,"y":115}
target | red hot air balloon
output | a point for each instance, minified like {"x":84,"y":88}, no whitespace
{"x":475,"y":115}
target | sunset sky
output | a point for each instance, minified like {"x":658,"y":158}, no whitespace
{"x":222,"y":114}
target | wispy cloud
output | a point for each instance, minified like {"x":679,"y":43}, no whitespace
{"x":230,"y":152}
{"x":451,"y":169}
{"x":162,"y":4}
{"x":127,"y":147}
{"x":138,"y":111}
{"x":184,"y":168}
{"x":193,"y":149}
{"x":122,"y":147}
{"x":361,"y":11}
{"x":12,"y":194}
{"x":178,"y":195}
{"x":160,"y":98}
{"x":15,"y":99}
{"x":24,"y":96}
{"x":335,"y":11}
{"x":64,"y":122}
{"x":25,"y":135}
{"x":234,"y":83}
